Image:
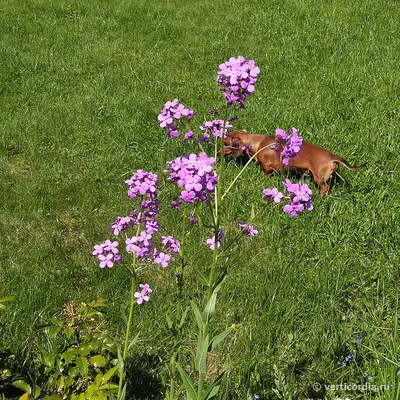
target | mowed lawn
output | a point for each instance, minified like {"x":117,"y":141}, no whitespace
{"x":81,"y":85}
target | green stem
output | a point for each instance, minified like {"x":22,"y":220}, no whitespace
{"x":128,"y":326}
{"x":241,"y":172}
{"x":181,"y":253}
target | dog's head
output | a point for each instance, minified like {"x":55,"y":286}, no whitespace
{"x":233,"y":144}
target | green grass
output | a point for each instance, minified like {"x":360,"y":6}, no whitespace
{"x":81,"y":84}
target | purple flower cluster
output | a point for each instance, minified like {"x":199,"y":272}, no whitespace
{"x":195,"y":174}
{"x":171,"y":114}
{"x":211,"y":240}
{"x":301,"y":198}
{"x":107,"y":253}
{"x":236,"y":78}
{"x":248,"y":230}
{"x":143,"y":183}
{"x":289,"y":145}
{"x":299,"y":194}
{"x":215,"y":128}
{"x":143,"y":295}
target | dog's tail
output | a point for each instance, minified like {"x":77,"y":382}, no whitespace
{"x":347,"y":165}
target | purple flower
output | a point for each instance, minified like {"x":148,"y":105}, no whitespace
{"x":170,"y":243}
{"x":139,"y":245}
{"x":175,"y":204}
{"x":195,"y":175}
{"x":98,"y":249}
{"x":188,"y":196}
{"x":358,"y":341}
{"x":107,"y":253}
{"x":123,"y":223}
{"x":293,"y":209}
{"x":188,"y":135}
{"x":300,"y":196}
{"x":280,"y":135}
{"x":215,"y":128}
{"x":347,"y":360}
{"x":171,"y":114}
{"x":142,"y":183}
{"x":193,"y":219}
{"x":367,"y":377}
{"x":248,"y":229}
{"x":236,"y":78}
{"x":162,"y":258}
{"x":211,"y":240}
{"x":288,"y":145}
{"x":143,"y":295}
{"x":273,"y":195}
{"x":106,"y":260}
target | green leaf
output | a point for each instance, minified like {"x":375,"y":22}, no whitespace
{"x":5,"y":300}
{"x":216,"y":340}
{"x":109,"y":374}
{"x":100,"y":303}
{"x":84,"y":349}
{"x":188,"y":383}
{"x":184,"y":315}
{"x":120,"y":364}
{"x":47,"y":360}
{"x":69,"y":332}
{"x":83,"y":365}
{"x":53,"y":397}
{"x":98,"y":361}
{"x":214,"y":388}
{"x":201,"y":354}
{"x":169,"y":321}
{"x":252,"y":213}
{"x":212,"y":393}
{"x":133,"y":341}
{"x":123,"y":393}
{"x":69,"y":355}
{"x":198,"y":315}
{"x":60,"y":384}
{"x":23,"y":386}
{"x":94,"y":345}
{"x":209,"y":311}
{"x":25,"y":396}
{"x":90,"y":391}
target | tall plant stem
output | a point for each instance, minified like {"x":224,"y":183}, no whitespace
{"x":218,"y":204}
{"x":129,"y":323}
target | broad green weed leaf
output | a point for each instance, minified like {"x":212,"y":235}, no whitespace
{"x":188,"y":383}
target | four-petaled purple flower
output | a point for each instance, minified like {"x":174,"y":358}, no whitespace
{"x":162,"y":258}
{"x":248,"y":230}
{"x":273,"y":195}
{"x":143,"y":295}
{"x":107,"y":253}
{"x":236,"y":78}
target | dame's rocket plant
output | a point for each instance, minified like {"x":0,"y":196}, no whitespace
{"x":199,"y":183}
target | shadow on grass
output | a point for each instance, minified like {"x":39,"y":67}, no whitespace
{"x":142,"y":377}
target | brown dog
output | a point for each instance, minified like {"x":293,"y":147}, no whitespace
{"x":320,"y":162}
